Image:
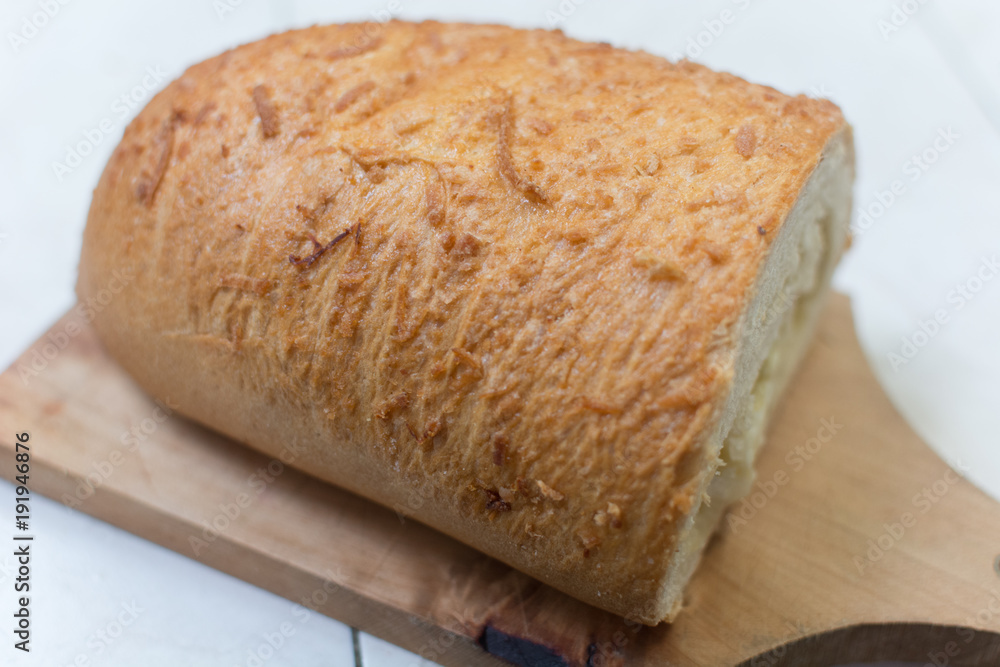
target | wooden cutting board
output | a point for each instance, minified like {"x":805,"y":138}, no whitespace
{"x":858,"y":544}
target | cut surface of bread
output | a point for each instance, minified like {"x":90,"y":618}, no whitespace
{"x":537,"y":293}
{"x":781,"y":321}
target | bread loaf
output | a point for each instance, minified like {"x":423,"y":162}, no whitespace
{"x":537,"y":293}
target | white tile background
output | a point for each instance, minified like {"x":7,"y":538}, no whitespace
{"x":939,"y":71}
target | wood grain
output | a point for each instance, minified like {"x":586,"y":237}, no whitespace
{"x":859,"y":545}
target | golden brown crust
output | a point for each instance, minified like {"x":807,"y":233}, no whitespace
{"x":492,"y":277}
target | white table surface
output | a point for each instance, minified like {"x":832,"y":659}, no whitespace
{"x":104,"y":597}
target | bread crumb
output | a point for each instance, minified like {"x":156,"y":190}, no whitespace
{"x":366,"y":44}
{"x":530,"y":530}
{"x":163,"y":144}
{"x":376,"y":174}
{"x":437,"y":213}
{"x":548,"y":491}
{"x":494,"y":503}
{"x":540,"y":126}
{"x":466,"y":245}
{"x":432,"y":429}
{"x":615,"y":514}
{"x":266,"y":111}
{"x":259,"y":286}
{"x":400,"y":400}
{"x":468,"y":358}
{"x":599,"y":407}
{"x":687,"y":144}
{"x":448,"y":241}
{"x":649,"y":166}
{"x":352,"y":95}
{"x":505,"y":161}
{"x":746,"y":141}
{"x":500,"y":444}
{"x":718,"y":253}
{"x":659,"y":268}
{"x":319,"y":249}
{"x":203,"y":113}
{"x":352,"y":279}
{"x":410,"y":123}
